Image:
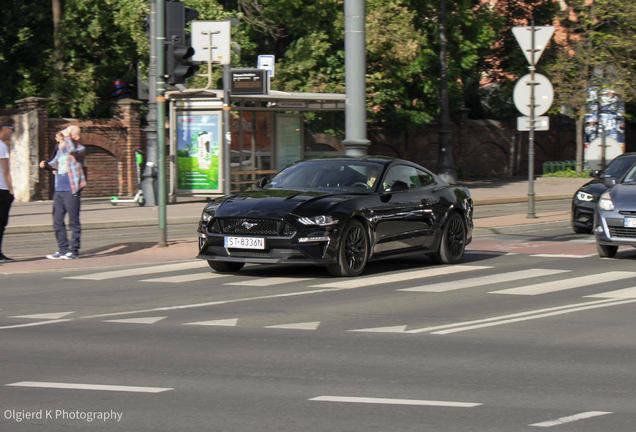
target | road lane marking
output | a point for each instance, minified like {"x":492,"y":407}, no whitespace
{"x":223,"y":323}
{"x":394,"y":329}
{"x":622,"y":293}
{"x":505,"y":319}
{"x":485,"y":280}
{"x":297,"y":326}
{"x":214,"y":303}
{"x":140,"y":271}
{"x":51,"y":316}
{"x":563,"y":255}
{"x":562,"y":285}
{"x":36,"y":324}
{"x":144,"y":320}
{"x":71,"y":386}
{"x":400,"y":277}
{"x":385,"y":401}
{"x":570,"y":419}
{"x":267,"y":281}
{"x":533,"y":317}
{"x":186,"y":278}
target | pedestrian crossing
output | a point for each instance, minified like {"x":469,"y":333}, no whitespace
{"x":614,"y":288}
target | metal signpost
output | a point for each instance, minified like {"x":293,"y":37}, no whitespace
{"x":532,"y":41}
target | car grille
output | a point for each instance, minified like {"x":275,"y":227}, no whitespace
{"x":250,"y":254}
{"x":622,"y":232}
{"x":628,"y":213}
{"x":248,"y":226}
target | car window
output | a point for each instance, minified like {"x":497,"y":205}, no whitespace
{"x":327,"y":174}
{"x":425,"y":178}
{"x":619,"y":166}
{"x":407,"y":174}
{"x":631,"y":176}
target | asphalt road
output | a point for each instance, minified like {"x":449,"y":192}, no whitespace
{"x":93,"y":240}
{"x":520,"y":335}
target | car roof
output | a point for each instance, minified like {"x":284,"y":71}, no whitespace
{"x":382,"y":160}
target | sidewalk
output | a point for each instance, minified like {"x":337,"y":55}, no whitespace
{"x":35,"y":217}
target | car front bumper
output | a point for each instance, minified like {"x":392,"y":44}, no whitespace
{"x":609,"y":229}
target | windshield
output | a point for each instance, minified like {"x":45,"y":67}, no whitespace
{"x":618,"y":166}
{"x":631,"y":176}
{"x":341,"y":175}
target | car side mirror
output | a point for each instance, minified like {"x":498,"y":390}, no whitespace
{"x":609,"y":182}
{"x":595,"y":173}
{"x":261,"y":182}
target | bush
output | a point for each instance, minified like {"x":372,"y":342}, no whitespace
{"x":568,"y":173}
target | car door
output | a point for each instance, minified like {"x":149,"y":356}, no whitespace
{"x":402,"y":220}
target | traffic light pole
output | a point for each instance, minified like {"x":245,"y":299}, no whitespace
{"x":161,"y":123}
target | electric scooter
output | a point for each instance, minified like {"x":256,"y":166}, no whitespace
{"x":139,"y":196}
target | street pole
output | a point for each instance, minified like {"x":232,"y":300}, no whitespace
{"x":227,"y":175}
{"x":149,"y":174}
{"x":531,"y":134}
{"x":356,"y":142}
{"x":161,"y":123}
{"x":445,"y":163}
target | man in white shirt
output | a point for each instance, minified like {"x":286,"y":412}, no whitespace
{"x":6,"y":186}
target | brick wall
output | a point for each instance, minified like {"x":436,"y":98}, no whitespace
{"x":110,"y":145}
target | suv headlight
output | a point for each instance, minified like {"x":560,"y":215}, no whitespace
{"x":605,"y":203}
{"x":318,"y":220}
{"x":205,"y":217}
{"x":584,"y":196}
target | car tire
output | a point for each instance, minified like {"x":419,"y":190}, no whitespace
{"x":141,"y":201}
{"x":353,"y":253}
{"x":581,"y":230}
{"x":226,"y":267}
{"x":606,"y":251}
{"x":453,"y":244}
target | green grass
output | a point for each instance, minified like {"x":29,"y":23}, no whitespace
{"x":569,"y":173}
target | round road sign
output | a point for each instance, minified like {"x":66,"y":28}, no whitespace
{"x":543,"y":94}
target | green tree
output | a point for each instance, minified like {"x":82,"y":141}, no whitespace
{"x":26,"y":29}
{"x":596,"y":51}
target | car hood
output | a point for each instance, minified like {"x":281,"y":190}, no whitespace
{"x":624,"y":196}
{"x":595,"y":187}
{"x":276,"y":203}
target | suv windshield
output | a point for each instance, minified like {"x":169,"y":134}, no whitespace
{"x":618,"y":166}
{"x":352,"y":176}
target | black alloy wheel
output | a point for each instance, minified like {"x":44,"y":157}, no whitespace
{"x":606,"y":251}
{"x":226,"y":267}
{"x":453,"y":244}
{"x":353,"y":253}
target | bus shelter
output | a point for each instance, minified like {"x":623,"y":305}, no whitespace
{"x":267,"y":134}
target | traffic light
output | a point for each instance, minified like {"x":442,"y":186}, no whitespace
{"x":178,"y":65}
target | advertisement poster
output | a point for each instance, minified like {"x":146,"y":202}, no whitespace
{"x":605,"y":112}
{"x":198,"y":152}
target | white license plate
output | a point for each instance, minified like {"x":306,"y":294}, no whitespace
{"x":629,"y":223}
{"x":244,"y":242}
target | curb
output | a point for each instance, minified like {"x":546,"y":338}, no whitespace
{"x":26,"y":229}
{"x":517,"y":199}
{"x":516,"y":229}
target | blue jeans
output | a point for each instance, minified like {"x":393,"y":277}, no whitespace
{"x":65,"y":202}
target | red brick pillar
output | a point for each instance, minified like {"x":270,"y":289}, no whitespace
{"x":43,"y":189}
{"x":127,"y":111}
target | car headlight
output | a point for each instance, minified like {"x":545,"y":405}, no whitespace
{"x":205,"y":217}
{"x":318,"y":220}
{"x":605,"y":203}
{"x":584,"y":196}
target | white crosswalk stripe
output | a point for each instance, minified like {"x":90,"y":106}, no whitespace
{"x":561,"y":285}
{"x":361,"y":282}
{"x":140,"y":271}
{"x":485,"y":280}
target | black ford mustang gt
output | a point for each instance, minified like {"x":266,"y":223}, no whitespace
{"x":338,"y":212}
